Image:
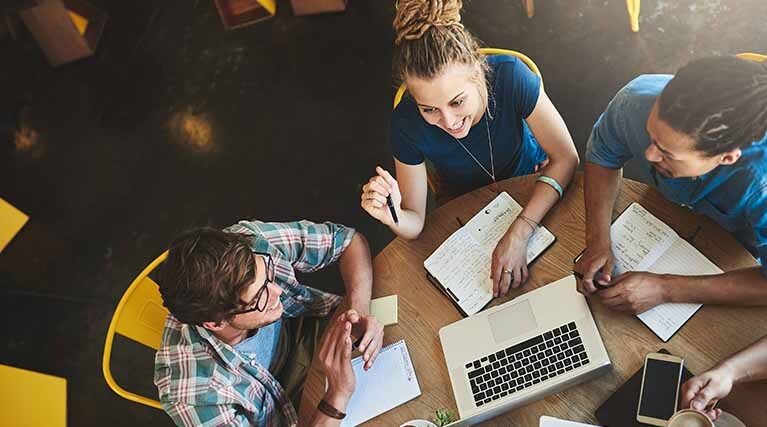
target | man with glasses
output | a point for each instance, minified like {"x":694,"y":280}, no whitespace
{"x":243,"y":330}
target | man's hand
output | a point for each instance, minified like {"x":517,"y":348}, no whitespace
{"x":595,"y":258}
{"x":369,"y":331}
{"x":635,"y":292}
{"x":705,"y":389}
{"x":335,"y":361}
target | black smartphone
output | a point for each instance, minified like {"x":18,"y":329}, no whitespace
{"x":660,"y":388}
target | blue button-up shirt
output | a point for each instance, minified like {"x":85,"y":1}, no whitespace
{"x":735,"y":196}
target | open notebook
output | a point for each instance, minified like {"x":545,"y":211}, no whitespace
{"x":460,"y":266}
{"x":642,"y":242}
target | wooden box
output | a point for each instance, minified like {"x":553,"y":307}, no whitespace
{"x":66,"y":30}
{"x":240,"y":13}
{"x":310,"y":7}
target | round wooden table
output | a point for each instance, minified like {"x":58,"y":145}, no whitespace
{"x":712,"y":334}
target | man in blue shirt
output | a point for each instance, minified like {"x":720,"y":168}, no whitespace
{"x":699,"y":137}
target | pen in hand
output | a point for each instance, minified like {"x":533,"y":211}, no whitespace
{"x":597,"y":277}
{"x":391,"y":209}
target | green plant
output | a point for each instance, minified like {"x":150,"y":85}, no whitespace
{"x":443,"y":417}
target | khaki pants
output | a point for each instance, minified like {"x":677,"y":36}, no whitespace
{"x":299,"y":342}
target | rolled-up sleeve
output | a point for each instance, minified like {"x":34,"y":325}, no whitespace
{"x":608,"y":143}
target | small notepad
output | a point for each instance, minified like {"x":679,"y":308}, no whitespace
{"x":390,"y":382}
{"x":556,"y":422}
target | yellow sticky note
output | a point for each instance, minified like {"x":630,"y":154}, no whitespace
{"x":385,"y":309}
{"x":80,"y":22}
{"x":11,"y":221}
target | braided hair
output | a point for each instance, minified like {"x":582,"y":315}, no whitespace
{"x":429,"y":36}
{"x":721,"y":102}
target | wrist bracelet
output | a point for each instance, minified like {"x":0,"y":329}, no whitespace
{"x":534,"y":225}
{"x":330,"y":410}
{"x":552,"y":182}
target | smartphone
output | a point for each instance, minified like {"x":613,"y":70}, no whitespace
{"x":660,"y":388}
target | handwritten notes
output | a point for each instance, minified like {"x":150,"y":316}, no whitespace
{"x":461,"y":264}
{"x":642,"y":242}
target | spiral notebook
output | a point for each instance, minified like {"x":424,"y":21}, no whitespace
{"x":460,"y":266}
{"x":390,"y":382}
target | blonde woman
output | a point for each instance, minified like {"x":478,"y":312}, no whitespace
{"x":479,"y":120}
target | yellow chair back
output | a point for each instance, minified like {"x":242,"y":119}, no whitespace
{"x":140,"y":315}
{"x":757,"y":57}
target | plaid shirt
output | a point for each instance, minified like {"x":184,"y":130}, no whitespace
{"x":204,"y":381}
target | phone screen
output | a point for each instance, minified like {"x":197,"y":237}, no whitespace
{"x":659,"y":392}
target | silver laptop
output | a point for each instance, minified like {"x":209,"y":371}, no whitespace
{"x":524,"y":350}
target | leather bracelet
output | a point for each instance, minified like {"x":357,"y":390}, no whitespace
{"x":330,"y":410}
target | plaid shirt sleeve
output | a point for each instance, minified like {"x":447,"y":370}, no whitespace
{"x":308,"y":246}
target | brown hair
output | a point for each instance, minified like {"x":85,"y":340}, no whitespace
{"x":429,"y":36}
{"x":205,"y":273}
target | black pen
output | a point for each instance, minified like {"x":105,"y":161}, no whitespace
{"x":597,"y":277}
{"x":391,"y":209}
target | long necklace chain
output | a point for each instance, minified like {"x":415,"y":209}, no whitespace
{"x":490,"y":146}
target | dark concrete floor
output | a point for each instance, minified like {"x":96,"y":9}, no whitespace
{"x":178,"y":123}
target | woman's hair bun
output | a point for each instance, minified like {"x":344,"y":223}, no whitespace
{"x":415,"y":17}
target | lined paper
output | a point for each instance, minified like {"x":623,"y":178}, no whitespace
{"x":461,"y":263}
{"x":642,"y":242}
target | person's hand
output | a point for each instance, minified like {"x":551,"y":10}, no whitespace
{"x":594,"y":258}
{"x":510,"y":254}
{"x":374,"y":196}
{"x":369,"y":331}
{"x":635,"y":292}
{"x":704,"y":390}
{"x":335,"y":358}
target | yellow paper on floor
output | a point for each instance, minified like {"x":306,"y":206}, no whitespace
{"x":80,"y":22}
{"x":11,"y":221}
{"x":385,"y":309}
{"x":29,"y":398}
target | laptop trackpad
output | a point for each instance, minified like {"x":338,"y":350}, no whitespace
{"x":512,"y":321}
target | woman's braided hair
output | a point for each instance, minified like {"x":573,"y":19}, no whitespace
{"x":721,"y":102}
{"x":429,"y":36}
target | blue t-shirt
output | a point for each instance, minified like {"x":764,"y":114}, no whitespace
{"x":263,"y":345}
{"x":514,"y":93}
{"x":735,"y":196}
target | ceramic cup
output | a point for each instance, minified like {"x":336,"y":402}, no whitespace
{"x":690,"y":418}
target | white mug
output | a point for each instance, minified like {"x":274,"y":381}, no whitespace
{"x":690,"y":418}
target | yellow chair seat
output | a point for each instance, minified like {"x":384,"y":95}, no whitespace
{"x":32,"y":399}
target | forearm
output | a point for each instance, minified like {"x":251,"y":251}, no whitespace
{"x":600,"y":192}
{"x":749,"y":364}
{"x":740,"y":287}
{"x":544,"y":196}
{"x":410,"y":224}
{"x":335,"y":400}
{"x":357,"y":274}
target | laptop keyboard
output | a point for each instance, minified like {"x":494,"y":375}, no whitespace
{"x":522,"y":365}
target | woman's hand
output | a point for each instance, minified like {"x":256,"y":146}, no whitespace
{"x":374,"y":196}
{"x":510,"y":255}
{"x":702,"y":391}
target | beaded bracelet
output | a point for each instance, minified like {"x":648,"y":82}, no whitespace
{"x":552,"y":182}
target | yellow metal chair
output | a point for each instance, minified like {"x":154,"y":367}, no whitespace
{"x":757,"y":57}
{"x":487,"y":51}
{"x":140,"y":316}
{"x":632,"y":5}
{"x":31,"y":399}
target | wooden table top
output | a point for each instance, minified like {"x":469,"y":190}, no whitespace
{"x":713,"y":333}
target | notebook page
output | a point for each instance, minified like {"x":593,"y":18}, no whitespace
{"x":462,"y":265}
{"x":683,"y":259}
{"x":556,"y":422}
{"x":491,"y":223}
{"x":390,"y":382}
{"x":638,"y":239}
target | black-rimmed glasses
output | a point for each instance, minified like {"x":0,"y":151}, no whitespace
{"x":261,"y":299}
